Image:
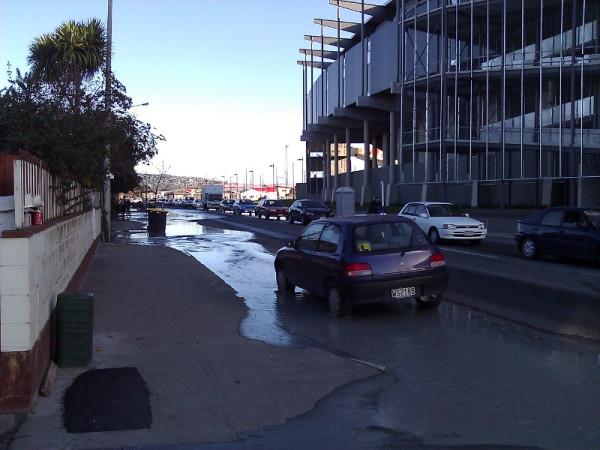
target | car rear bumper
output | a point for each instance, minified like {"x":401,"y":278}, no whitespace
{"x":381,"y":291}
{"x":277,"y":213}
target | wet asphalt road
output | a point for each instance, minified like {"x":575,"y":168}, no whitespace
{"x":455,"y":377}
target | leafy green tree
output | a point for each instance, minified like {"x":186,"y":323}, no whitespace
{"x":57,"y":110}
{"x":72,"y":54}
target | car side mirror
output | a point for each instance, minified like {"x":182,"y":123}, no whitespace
{"x":290,"y":244}
{"x":467,"y":215}
{"x":423,"y":215}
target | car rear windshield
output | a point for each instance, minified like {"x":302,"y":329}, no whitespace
{"x":276,"y":203}
{"x":313,"y":204}
{"x":445,"y":211}
{"x":246,"y":202}
{"x":387,"y":237}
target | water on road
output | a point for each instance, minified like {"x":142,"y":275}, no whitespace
{"x":461,"y":377}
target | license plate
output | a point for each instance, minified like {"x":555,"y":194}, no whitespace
{"x":404,"y":292}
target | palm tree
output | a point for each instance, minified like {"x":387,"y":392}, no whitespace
{"x":73,"y":53}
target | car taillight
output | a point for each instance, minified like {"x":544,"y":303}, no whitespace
{"x":358,"y":270}
{"x":437,"y":260}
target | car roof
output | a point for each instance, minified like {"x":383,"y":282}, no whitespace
{"x":365,"y":219}
{"x":430,"y":203}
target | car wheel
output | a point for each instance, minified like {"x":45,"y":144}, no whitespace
{"x":290,"y":220}
{"x":529,"y":248}
{"x":283,"y":285}
{"x":338,"y":305}
{"x":428,"y":301}
{"x":305,"y":220}
{"x":434,"y":236}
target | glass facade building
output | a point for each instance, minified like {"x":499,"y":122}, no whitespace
{"x":483,"y":102}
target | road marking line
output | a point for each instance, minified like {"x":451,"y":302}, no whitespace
{"x":378,"y":367}
{"x":470,"y":253}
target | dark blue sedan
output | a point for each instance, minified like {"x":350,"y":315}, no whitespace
{"x":363,"y":259}
{"x":244,"y":206}
{"x":565,"y":232}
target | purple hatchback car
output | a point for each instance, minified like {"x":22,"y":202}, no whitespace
{"x":363,"y":259}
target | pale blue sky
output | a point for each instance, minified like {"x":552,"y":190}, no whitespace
{"x":220,"y":75}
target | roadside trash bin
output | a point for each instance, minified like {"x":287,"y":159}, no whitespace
{"x":74,"y":329}
{"x":157,"y":220}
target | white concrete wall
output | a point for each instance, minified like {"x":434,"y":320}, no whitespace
{"x":34,"y":270}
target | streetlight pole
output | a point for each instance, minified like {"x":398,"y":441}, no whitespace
{"x":286,"y":164}
{"x":302,"y":175}
{"x":107,"y":106}
{"x":273,"y":167}
{"x":293,"y":184}
{"x":251,"y":178}
{"x":237,"y":185}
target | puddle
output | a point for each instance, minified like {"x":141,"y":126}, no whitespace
{"x":244,"y":265}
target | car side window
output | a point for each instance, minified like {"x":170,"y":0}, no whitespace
{"x":553,"y":218}
{"x":310,"y":237}
{"x":330,"y":239}
{"x":298,"y":204}
{"x":574,"y":219}
{"x":409,"y":210}
{"x":420,"y":209}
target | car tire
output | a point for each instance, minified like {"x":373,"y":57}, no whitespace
{"x":529,"y":248}
{"x":434,"y":236}
{"x":338,"y":305}
{"x":290,"y":220}
{"x":283,"y":285}
{"x":305,"y":220}
{"x":428,"y":301}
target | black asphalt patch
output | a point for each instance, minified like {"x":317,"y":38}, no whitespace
{"x":107,"y":400}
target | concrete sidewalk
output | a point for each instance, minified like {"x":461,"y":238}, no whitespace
{"x":163,"y":313}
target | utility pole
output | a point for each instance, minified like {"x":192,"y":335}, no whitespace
{"x":107,"y":106}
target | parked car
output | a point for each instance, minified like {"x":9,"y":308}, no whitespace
{"x":225,"y":206}
{"x":565,"y":232}
{"x":363,"y":259}
{"x":271,"y":208}
{"x":444,"y":221}
{"x":244,"y":206}
{"x":305,"y":211}
{"x":188,"y":202}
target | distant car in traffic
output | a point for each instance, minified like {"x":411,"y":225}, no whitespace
{"x":305,"y":211}
{"x":363,"y":259}
{"x":244,"y":206}
{"x":565,"y":232}
{"x":225,"y":206}
{"x":271,"y":208}
{"x":444,"y":221}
